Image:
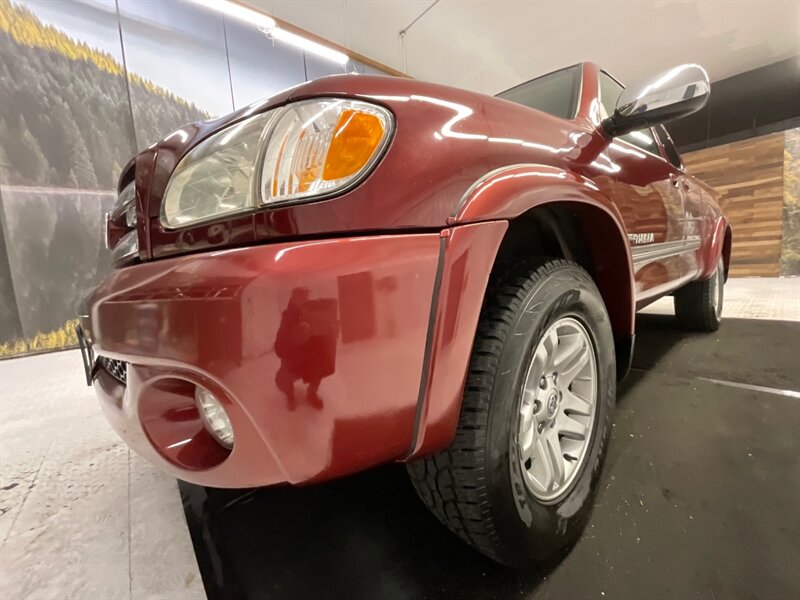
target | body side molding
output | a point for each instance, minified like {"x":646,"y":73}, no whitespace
{"x":647,"y":253}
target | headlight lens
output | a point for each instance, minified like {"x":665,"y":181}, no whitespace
{"x":320,"y":147}
{"x":215,"y":178}
{"x":301,"y":151}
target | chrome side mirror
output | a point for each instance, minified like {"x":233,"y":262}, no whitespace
{"x":672,"y":94}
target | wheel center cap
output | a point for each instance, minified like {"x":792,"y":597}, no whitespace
{"x":552,"y":404}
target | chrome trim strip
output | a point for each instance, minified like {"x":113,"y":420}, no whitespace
{"x":650,"y":252}
{"x":127,"y":247}
{"x":426,"y":361}
{"x":125,"y":198}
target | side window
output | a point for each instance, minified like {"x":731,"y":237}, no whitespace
{"x":556,"y":93}
{"x":643,"y":139}
{"x":669,"y":147}
{"x":610,"y":91}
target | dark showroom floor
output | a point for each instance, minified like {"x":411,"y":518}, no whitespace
{"x":700,"y":498}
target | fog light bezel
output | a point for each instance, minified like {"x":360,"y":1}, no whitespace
{"x":201,"y":394}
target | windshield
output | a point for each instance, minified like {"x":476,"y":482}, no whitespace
{"x":555,"y":93}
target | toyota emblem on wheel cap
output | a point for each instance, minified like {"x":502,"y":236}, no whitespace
{"x":552,"y":403}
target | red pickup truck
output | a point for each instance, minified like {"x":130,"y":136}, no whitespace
{"x":363,"y":270}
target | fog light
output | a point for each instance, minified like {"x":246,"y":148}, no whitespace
{"x":214,"y":417}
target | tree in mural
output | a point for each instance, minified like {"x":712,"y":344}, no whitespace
{"x":10,"y":325}
{"x":790,"y":244}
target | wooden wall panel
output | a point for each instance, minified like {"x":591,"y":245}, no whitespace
{"x":749,"y":177}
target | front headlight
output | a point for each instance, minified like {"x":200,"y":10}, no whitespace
{"x":215,"y":178}
{"x":302,"y":151}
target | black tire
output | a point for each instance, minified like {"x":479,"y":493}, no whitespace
{"x":695,"y":306}
{"x":473,"y":487}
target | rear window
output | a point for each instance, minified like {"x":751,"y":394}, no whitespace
{"x":555,"y":93}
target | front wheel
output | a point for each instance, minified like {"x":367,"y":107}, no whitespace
{"x":519,"y":479}
{"x":698,"y":305}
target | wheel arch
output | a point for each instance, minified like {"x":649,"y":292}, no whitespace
{"x":554,"y":212}
{"x":727,"y":247}
{"x":717,"y":245}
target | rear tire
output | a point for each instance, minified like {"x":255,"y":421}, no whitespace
{"x":698,"y":305}
{"x":486,"y":487}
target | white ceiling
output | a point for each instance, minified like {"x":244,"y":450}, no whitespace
{"x":490,"y":46}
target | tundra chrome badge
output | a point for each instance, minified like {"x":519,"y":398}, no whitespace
{"x":641,"y":238}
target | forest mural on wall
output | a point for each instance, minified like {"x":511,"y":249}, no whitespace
{"x":74,"y":108}
{"x":64,"y":106}
{"x":65,"y":132}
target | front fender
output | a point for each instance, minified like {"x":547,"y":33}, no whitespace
{"x":479,"y":222}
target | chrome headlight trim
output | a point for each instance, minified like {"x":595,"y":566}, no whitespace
{"x":126,"y":249}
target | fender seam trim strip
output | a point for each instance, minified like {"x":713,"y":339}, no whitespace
{"x":426,"y":357}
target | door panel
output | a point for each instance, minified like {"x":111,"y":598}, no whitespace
{"x":693,"y":219}
{"x":649,"y":193}
{"x":692,"y":197}
{"x":649,"y":196}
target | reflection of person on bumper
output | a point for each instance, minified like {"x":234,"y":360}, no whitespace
{"x":306,"y":345}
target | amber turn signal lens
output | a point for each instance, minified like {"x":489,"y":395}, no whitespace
{"x":320,"y":146}
{"x":355,"y":139}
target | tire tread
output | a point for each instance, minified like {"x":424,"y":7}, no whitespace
{"x":694,"y":308}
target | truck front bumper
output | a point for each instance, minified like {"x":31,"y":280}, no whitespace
{"x":315,"y":349}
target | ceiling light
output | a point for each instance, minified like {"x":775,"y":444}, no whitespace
{"x":309,"y":46}
{"x":232,"y":9}
{"x":269,"y":26}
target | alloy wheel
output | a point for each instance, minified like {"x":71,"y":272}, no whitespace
{"x":718,"y":281}
{"x":557,"y":411}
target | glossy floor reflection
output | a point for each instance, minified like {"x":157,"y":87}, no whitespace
{"x":699,"y":498}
